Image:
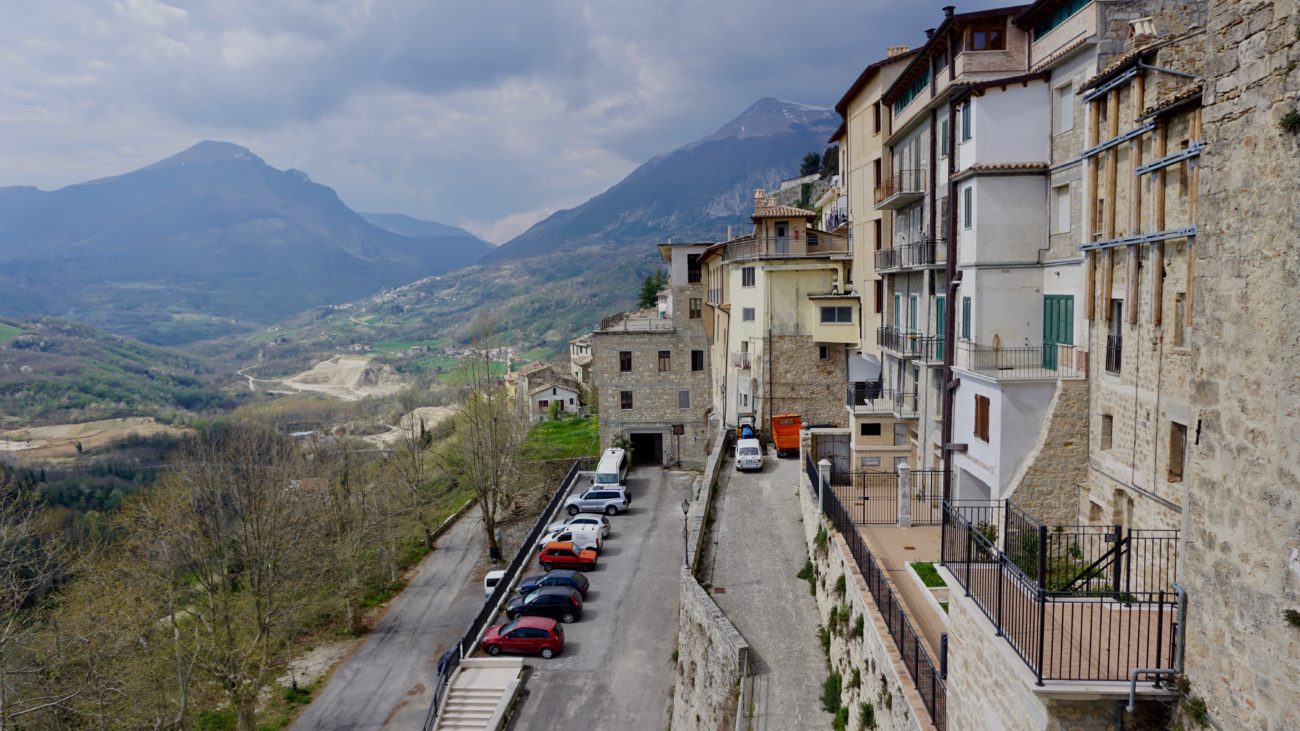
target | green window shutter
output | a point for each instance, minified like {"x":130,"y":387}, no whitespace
{"x":965,"y":318}
{"x":898,"y":310}
{"x":940,"y":321}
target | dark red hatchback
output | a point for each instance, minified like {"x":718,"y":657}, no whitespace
{"x":526,"y":636}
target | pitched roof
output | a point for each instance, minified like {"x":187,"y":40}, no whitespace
{"x":842,"y":105}
{"x":905,"y":77}
{"x":782,"y":212}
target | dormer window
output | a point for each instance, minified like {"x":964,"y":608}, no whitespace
{"x":989,"y":37}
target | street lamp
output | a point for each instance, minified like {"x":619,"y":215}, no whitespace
{"x":686,"y":550}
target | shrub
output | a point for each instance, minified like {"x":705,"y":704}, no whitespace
{"x":809,"y":573}
{"x":840,"y":586}
{"x":866,"y":715}
{"x":831,"y":693}
{"x":859,"y":623}
{"x":1196,"y":711}
{"x":855,"y":681}
{"x":833,"y":621}
{"x":824,"y":638}
{"x":1292,"y":617}
{"x":841,"y":720}
{"x":1290,"y":122}
{"x":821,"y":540}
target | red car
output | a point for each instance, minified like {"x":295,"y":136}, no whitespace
{"x":526,"y":635}
{"x":563,"y":555}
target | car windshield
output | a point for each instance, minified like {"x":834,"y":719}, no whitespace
{"x":507,"y":627}
{"x":609,"y":478}
{"x":749,"y":451}
{"x":532,"y":597}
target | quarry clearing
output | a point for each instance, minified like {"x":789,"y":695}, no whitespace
{"x":430,"y":415}
{"x":347,"y":377}
{"x":60,"y":440}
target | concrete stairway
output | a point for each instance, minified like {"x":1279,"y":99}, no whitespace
{"x":480,"y":693}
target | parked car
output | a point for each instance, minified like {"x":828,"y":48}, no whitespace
{"x":556,"y":602}
{"x":749,"y":455}
{"x":582,"y":519}
{"x":558,"y":577}
{"x":598,"y":500}
{"x":612,"y":469}
{"x":558,"y":555}
{"x":525,"y":636}
{"x":490,"y":582}
{"x":582,"y":536}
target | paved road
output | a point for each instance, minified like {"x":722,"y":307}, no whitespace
{"x":760,"y":549}
{"x":386,"y":683}
{"x":617,"y":671}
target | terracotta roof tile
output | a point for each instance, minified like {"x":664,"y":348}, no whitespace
{"x":1173,"y":99}
{"x":782,"y":212}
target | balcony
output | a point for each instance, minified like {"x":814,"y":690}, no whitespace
{"x":900,"y":189}
{"x":813,"y":245}
{"x":923,"y":254}
{"x":869,"y":397}
{"x":635,"y":322}
{"x":1114,"y":353}
{"x":738,"y":359}
{"x":904,"y":343}
{"x":1030,"y":362}
{"x":1077,"y":603}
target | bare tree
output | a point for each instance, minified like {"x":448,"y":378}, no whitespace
{"x":351,"y":521}
{"x":411,"y":465}
{"x":483,"y":451}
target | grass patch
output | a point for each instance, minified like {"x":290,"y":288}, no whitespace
{"x":567,"y":438}
{"x":809,"y":574}
{"x":929,"y":574}
{"x":8,"y":332}
{"x":392,"y":346}
{"x":944,"y":607}
{"x":537,"y":354}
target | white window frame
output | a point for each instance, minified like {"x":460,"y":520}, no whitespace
{"x":1063,"y":108}
{"x":1061,"y":208}
{"x":747,"y":314}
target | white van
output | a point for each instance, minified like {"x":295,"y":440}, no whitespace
{"x":749,"y":454}
{"x":491,"y":580}
{"x":612,"y":469}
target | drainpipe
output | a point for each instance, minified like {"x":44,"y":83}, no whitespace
{"x":950,"y":304}
{"x":1177,"y":669}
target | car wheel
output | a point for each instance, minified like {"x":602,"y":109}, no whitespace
{"x":568,"y":618}
{"x":493,"y":650}
{"x":547,"y":653}
{"x":573,"y":510}
{"x":547,"y":566}
{"x":611,"y":510}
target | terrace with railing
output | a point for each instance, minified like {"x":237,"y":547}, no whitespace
{"x":1076,"y":602}
{"x":639,"y":321}
{"x":1051,"y":360}
{"x":900,"y":189}
{"x":814,"y":244}
{"x":928,"y":252}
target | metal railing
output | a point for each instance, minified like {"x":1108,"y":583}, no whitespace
{"x":1076,"y":603}
{"x":812,"y":244}
{"x":1052,"y":360}
{"x":469,"y":640}
{"x":635,"y":322}
{"x":869,"y":397}
{"x":923,"y":253}
{"x":872,"y":497}
{"x":925,"y":672}
{"x":738,"y":359}
{"x":904,"y":342}
{"x":902,"y":182}
{"x":1114,"y":353}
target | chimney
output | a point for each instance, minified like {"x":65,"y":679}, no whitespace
{"x":895,"y":51}
{"x":948,"y":10}
{"x":760,"y":199}
{"x":1141,"y":32}
{"x":929,"y":33}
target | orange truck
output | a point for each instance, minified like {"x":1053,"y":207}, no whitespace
{"x":785,"y":433}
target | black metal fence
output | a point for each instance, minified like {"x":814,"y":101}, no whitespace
{"x":1050,"y":360}
{"x":923,"y":669}
{"x":872,"y":497}
{"x":1076,"y":603}
{"x":447,"y":666}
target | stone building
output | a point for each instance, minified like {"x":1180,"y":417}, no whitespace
{"x":537,"y":385}
{"x":580,"y":359}
{"x":650,"y":370}
{"x":1241,"y":550}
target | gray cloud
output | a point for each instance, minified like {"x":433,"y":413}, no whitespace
{"x":485,"y":113}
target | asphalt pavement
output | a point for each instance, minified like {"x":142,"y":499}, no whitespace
{"x":617,"y":671}
{"x":388,"y":681}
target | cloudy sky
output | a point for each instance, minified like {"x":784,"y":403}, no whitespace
{"x":489,"y":114}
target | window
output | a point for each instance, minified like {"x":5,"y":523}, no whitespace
{"x":879,"y":225}
{"x":880,"y":295}
{"x":869,"y":462}
{"x":898,"y":310}
{"x":1065,"y":108}
{"x":965,"y":122}
{"x":875,"y":115}
{"x":570,"y":402}
{"x":943,"y":138}
{"x":747,"y":276}
{"x":697,"y":360}
{"x":982,"y":418}
{"x":823,"y":352}
{"x":869,"y":429}
{"x":913,"y":309}
{"x":913,"y":90}
{"x":542,"y":404}
{"x":625,"y":399}
{"x":1058,"y":16}
{"x":989,"y":37}
{"x":877,"y":170}
{"x":696,"y":307}
{"x":837,"y":314}
{"x":665,"y":360}
{"x":1177,"y":451}
{"x":555,"y":391}
{"x":747,"y":314}
{"x":900,"y":435}
{"x":1180,"y":320}
{"x":1115,"y":338}
{"x":683,"y":399}
{"x":1061,"y":209}
{"x":692,"y":268}
{"x":965,"y":318}
{"x":624,"y":361}
{"x":967,"y":206}
{"x":1107,"y":430}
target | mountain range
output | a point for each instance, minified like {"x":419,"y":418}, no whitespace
{"x":204,"y":243}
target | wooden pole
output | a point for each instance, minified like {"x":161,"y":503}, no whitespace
{"x":1158,"y":222}
{"x":1193,"y":187}
{"x":1135,"y":201}
{"x":1090,"y":210}
{"x":1112,"y":175}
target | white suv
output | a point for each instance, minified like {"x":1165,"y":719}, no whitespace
{"x":607,"y":500}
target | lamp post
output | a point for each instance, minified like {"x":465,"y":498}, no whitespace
{"x":686,"y":550}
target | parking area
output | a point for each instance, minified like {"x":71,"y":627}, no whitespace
{"x":617,"y":671}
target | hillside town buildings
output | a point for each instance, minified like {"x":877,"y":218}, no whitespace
{"x":1040,"y":317}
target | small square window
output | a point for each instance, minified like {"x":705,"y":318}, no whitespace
{"x":869,"y":429}
{"x":747,"y":314}
{"x":837,"y":315}
{"x":683,"y":399}
{"x":696,"y":308}
{"x":625,"y":399}
{"x":624,"y":361}
{"x":823,"y":352}
{"x":747,"y":276}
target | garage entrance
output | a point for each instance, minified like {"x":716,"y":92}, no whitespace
{"x":647,"y":447}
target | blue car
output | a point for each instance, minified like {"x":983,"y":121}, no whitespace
{"x":567,"y":578}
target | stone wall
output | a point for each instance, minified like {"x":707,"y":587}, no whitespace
{"x":1242,"y":555}
{"x":805,"y":384}
{"x":885,"y":683}
{"x":1047,"y":485}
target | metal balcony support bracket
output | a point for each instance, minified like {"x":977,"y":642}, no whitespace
{"x":1193,"y":150}
{"x":1117,"y":81}
{"x":1115,"y":141}
{"x":1173,"y":233}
